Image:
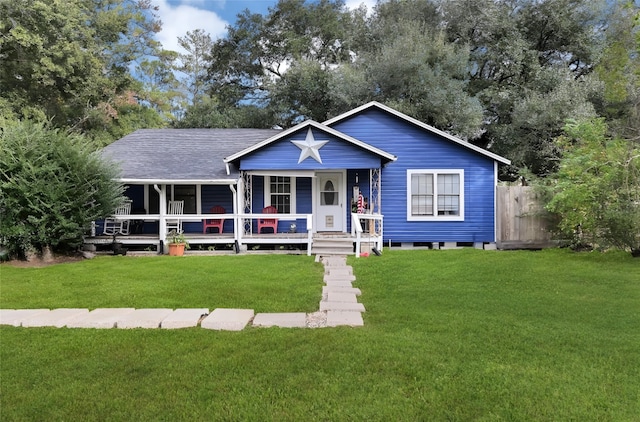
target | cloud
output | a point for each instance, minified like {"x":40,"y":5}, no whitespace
{"x":354,"y":4}
{"x":178,"y":19}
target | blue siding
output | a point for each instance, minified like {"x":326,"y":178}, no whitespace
{"x":283,"y":155}
{"x":418,"y":149}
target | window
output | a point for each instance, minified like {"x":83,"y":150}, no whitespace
{"x":435,"y":195}
{"x":186,"y":193}
{"x":329,"y":196}
{"x":280,"y":192}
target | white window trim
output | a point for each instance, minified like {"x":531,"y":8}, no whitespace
{"x":435,"y":173}
{"x":267,"y":192}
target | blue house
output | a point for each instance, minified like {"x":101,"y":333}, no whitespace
{"x":371,"y":174}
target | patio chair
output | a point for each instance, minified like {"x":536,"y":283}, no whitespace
{"x":268,"y":222}
{"x":114,"y":226}
{"x":216,"y":222}
{"x":175,"y":208}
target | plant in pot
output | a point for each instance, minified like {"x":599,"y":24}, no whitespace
{"x":177,"y":243}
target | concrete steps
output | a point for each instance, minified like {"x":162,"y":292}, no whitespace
{"x":332,"y":245}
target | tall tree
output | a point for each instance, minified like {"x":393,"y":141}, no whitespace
{"x":619,"y":69}
{"x":252,"y":62}
{"x":195,"y":62}
{"x":68,"y":58}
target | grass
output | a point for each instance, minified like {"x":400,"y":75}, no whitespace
{"x":266,"y":283}
{"x":449,"y":335}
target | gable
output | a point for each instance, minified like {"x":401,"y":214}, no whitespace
{"x":309,"y":146}
{"x":365,"y":121}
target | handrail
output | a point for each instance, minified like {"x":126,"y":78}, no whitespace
{"x":356,"y":229}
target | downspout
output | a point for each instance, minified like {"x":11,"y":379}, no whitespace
{"x":163,"y":211}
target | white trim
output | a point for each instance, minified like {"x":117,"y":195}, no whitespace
{"x":419,"y":124}
{"x":319,"y":126}
{"x":293,"y":194}
{"x":179,"y":181}
{"x":289,"y":173}
{"x":495,"y":201}
{"x":435,"y":173}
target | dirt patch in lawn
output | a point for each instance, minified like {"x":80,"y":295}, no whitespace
{"x":39,"y":262}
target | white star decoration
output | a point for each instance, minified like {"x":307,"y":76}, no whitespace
{"x":309,"y":148}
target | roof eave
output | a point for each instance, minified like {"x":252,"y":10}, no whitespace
{"x":129,"y":180}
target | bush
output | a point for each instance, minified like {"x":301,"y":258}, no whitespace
{"x":596,"y":191}
{"x":52,"y":186}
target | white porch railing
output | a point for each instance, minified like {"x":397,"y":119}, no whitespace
{"x":239,"y":224}
{"x":236,"y":218}
{"x":374,"y":235}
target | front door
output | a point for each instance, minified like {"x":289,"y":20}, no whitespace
{"x":330,"y":215}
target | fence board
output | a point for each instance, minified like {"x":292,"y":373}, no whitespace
{"x":521,"y":220}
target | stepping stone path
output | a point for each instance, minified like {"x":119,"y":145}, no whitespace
{"x":339,"y":307}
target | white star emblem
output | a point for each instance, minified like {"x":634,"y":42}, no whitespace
{"x":309,"y":148}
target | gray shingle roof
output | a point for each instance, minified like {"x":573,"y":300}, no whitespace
{"x":181,"y":154}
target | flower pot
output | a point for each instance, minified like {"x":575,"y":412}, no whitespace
{"x":176,"y":249}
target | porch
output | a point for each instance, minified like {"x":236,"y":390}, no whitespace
{"x":238,"y":241}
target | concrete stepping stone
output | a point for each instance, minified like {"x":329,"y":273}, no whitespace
{"x":335,"y":261}
{"x":341,"y":297}
{"x":341,"y":306}
{"x":184,"y":318}
{"x":143,"y":318}
{"x":54,"y":318}
{"x":342,"y":278}
{"x":350,"y":318}
{"x":285,"y":320}
{"x":343,"y":284}
{"x":16,"y":316}
{"x":338,"y":289}
{"x":100,"y":318}
{"x":227,"y":319}
{"x":339,"y":271}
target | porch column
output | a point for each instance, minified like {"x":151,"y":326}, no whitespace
{"x":236,"y":225}
{"x":376,"y":197}
{"x":247,"y":204}
{"x":162,"y":192}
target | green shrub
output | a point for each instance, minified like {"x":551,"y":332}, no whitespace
{"x":52,"y":186}
{"x":596,"y":191}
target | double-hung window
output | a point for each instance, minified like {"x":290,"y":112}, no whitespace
{"x":435,"y":195}
{"x":280,"y":192}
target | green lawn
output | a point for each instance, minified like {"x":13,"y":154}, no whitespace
{"x":449,"y":335}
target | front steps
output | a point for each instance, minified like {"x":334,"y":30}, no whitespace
{"x":326,"y":245}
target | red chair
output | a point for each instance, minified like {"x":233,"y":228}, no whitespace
{"x":214,"y":223}
{"x":268,"y":222}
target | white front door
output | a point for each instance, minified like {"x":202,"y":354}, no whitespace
{"x":331,"y":213}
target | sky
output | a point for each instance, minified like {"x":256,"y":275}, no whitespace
{"x":180,"y":16}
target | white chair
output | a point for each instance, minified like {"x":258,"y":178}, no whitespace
{"x":175,"y":208}
{"x":114,"y":226}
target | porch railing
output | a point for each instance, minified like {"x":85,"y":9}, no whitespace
{"x":237,"y":219}
{"x":373,"y":235}
{"x":239,"y":224}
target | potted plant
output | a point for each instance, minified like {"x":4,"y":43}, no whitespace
{"x":177,"y":243}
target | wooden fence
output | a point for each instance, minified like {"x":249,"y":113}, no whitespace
{"x":521,"y":220}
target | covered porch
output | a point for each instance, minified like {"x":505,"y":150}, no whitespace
{"x":243,"y":201}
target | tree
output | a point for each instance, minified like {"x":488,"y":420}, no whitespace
{"x":418,"y":72}
{"x":195,"y":62}
{"x":251,"y":64}
{"x":596,"y":191}
{"x":52,"y":186}
{"x":619,"y":69}
{"x":68,"y":59}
